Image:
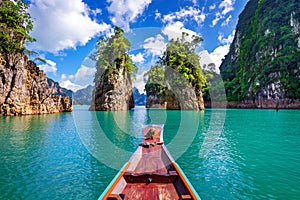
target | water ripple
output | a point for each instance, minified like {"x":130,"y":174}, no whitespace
{"x":256,"y":157}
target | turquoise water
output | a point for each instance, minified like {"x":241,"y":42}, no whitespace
{"x":226,"y":154}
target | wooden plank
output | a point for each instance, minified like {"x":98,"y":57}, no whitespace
{"x":185,"y":181}
{"x":151,"y":191}
{"x":114,"y":182}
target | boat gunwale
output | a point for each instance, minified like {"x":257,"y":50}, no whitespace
{"x":109,"y":189}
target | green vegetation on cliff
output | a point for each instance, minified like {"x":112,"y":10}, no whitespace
{"x":179,"y":58}
{"x":156,"y":81}
{"x":264,"y":58}
{"x":115,"y":68}
{"x":180,"y":55}
{"x":112,"y":53}
{"x":15,"y":25}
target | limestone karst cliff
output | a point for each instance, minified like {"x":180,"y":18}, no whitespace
{"x":262,"y":68}
{"x":177,"y":80}
{"x":113,"y":91}
{"x":24,"y":89}
{"x":113,"y":85}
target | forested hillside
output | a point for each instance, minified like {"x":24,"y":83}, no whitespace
{"x":263,"y":63}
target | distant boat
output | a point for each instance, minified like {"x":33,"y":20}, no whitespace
{"x":151,"y":173}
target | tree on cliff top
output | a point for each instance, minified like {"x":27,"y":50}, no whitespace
{"x":155,"y":83}
{"x":112,"y":53}
{"x":181,"y":56}
{"x":15,"y":25}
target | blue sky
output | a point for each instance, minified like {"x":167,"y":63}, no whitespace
{"x":67,"y":32}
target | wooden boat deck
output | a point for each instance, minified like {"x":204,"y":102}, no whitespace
{"x":156,"y":191}
{"x":151,"y":173}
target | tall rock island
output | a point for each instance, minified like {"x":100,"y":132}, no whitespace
{"x":262,"y":68}
{"x":176,"y":82}
{"x":24,"y":89}
{"x":113,"y":85}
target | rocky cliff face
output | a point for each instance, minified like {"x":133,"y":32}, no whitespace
{"x":185,"y":99}
{"x":169,"y":89}
{"x":176,"y":99}
{"x":262,"y":68}
{"x":24,"y":89}
{"x":56,"y":90}
{"x":113,"y":91}
{"x":155,"y":101}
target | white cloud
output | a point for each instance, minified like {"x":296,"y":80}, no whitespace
{"x":174,"y":30}
{"x":48,"y":67}
{"x":155,"y":46}
{"x":83,"y":77}
{"x":212,"y":7}
{"x":157,"y":15}
{"x":139,"y":83}
{"x":226,"y":22}
{"x":219,"y":53}
{"x":218,"y":17}
{"x":126,"y":11}
{"x":185,"y":14}
{"x":65,"y":77}
{"x":60,"y":25}
{"x":206,"y":60}
{"x":138,"y":58}
{"x":225,"y":6}
{"x":85,"y":74}
{"x":96,"y":12}
{"x":70,"y":85}
{"x":227,"y":40}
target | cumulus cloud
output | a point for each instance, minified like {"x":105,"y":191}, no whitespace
{"x":83,"y":77}
{"x":226,"y":22}
{"x":70,"y":85}
{"x":85,"y":74}
{"x":139,"y":83}
{"x":174,"y":23}
{"x":126,"y":11}
{"x":225,"y":7}
{"x":48,"y":67}
{"x":138,"y":58}
{"x":155,"y":46}
{"x":157,"y":15}
{"x":212,"y":7}
{"x":227,"y":40}
{"x":60,"y":25}
{"x":65,"y":77}
{"x":219,"y":53}
{"x":185,"y":14}
{"x":174,"y":30}
{"x":214,"y":57}
{"x":218,"y":17}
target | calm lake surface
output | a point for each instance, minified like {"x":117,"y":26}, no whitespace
{"x":226,"y":154}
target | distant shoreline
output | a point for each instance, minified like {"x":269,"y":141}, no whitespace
{"x":266,"y":104}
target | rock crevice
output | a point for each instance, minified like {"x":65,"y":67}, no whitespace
{"x":113,"y":91}
{"x":24,"y":89}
